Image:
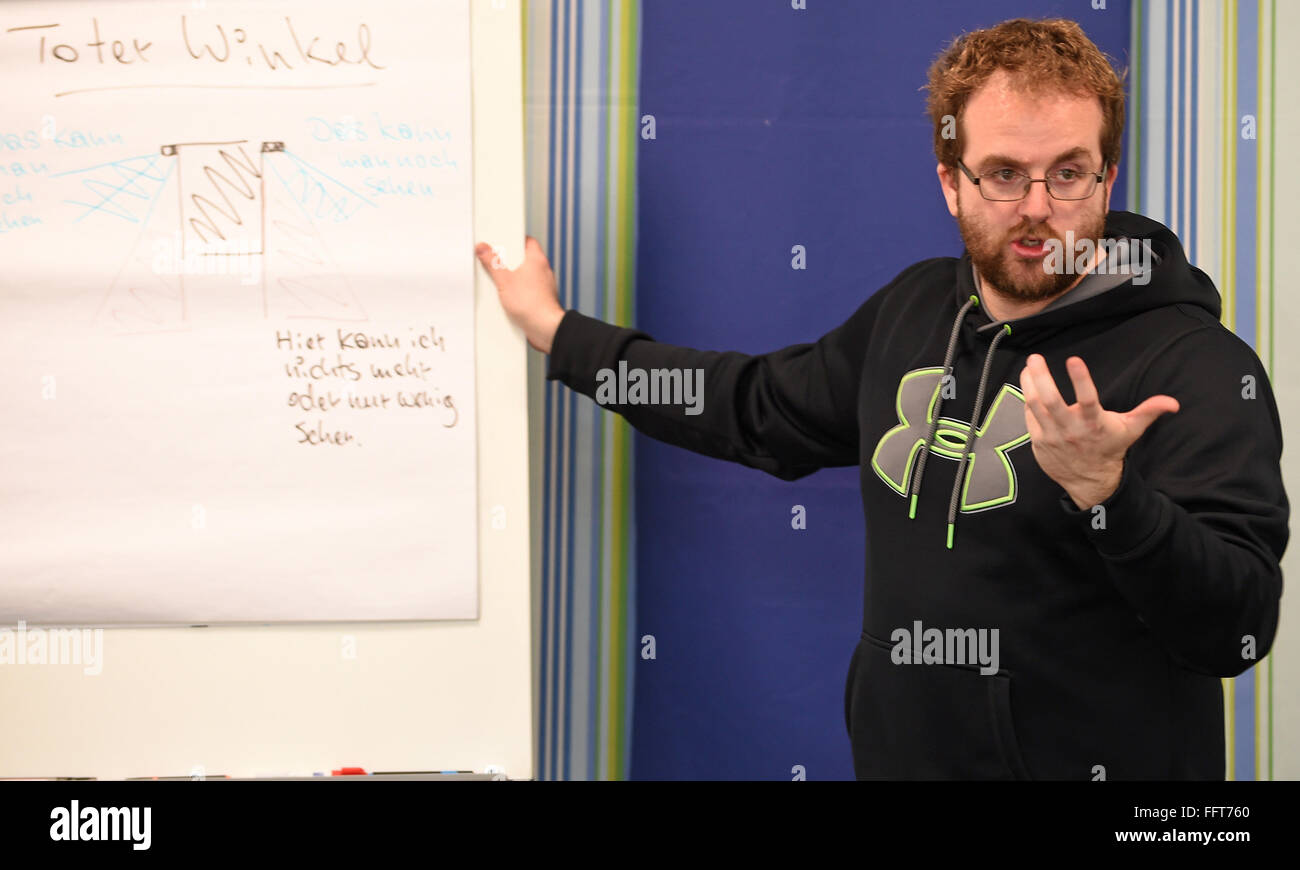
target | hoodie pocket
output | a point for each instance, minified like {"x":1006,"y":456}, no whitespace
{"x":928,"y":721}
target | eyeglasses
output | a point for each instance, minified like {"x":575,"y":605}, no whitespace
{"x":1007,"y":185}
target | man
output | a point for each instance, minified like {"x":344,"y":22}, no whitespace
{"x":1054,"y":584}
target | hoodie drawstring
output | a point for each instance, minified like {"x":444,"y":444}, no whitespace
{"x":938,"y":403}
{"x":974,"y":431}
{"x":975,"y":416}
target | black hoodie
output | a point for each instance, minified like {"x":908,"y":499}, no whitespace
{"x":1114,"y":625}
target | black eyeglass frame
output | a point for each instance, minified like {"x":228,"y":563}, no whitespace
{"x":975,"y":180}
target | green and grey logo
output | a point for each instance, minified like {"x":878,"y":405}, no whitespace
{"x":990,"y":476}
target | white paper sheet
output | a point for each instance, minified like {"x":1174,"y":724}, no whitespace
{"x":236,"y":312}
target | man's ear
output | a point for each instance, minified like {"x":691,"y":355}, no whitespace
{"x":948,"y":183}
{"x":1111,"y":173}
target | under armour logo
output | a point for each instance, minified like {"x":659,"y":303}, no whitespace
{"x":990,"y":476}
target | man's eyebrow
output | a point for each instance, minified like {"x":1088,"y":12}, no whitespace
{"x":1004,"y":160}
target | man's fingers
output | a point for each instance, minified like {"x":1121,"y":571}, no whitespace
{"x":1085,"y":391}
{"x":1032,"y":420}
{"x":1031,"y":425}
{"x":487,"y":255}
{"x":491,"y":258}
{"x":1047,"y":402}
{"x":1147,"y":412}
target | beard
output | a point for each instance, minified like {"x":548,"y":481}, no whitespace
{"x":1019,"y":278}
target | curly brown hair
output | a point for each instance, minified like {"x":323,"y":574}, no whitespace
{"x":1053,"y":53}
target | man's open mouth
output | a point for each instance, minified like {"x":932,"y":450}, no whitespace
{"x":1029,"y":246}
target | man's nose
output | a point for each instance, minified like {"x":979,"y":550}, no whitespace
{"x":1036,"y":207}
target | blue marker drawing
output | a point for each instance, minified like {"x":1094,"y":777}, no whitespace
{"x":315,"y":189}
{"x":134,"y":170}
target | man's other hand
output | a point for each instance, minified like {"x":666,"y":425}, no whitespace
{"x":528,"y":294}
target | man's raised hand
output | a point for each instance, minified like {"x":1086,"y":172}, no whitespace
{"x":1082,"y":446}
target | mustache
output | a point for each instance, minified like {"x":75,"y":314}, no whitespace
{"x":1044,"y":232}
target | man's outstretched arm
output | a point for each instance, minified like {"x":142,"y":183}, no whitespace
{"x":788,"y":412}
